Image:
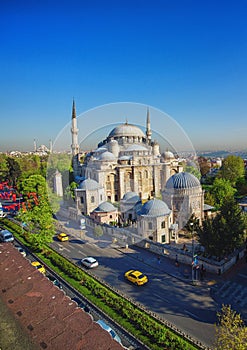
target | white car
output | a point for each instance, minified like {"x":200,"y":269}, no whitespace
{"x":89,"y":262}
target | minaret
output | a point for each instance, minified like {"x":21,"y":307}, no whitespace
{"x":148,"y":128}
{"x":34,"y":145}
{"x":74,"y":132}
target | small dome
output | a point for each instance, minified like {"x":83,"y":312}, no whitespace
{"x":131,"y":197}
{"x":154,"y":207}
{"x":105,"y":207}
{"x":126,"y":130}
{"x":182,"y":180}
{"x":89,"y":184}
{"x":168,"y":155}
{"x":107,"y":156}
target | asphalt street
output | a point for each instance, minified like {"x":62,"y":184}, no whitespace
{"x":207,"y":295}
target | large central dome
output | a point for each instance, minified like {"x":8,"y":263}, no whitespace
{"x":126,"y":130}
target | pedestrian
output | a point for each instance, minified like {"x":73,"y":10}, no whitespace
{"x":158,"y":259}
{"x":176,"y":261}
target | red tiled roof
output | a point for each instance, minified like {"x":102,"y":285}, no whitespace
{"x":49,"y":317}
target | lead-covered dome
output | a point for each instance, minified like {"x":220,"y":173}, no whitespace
{"x":131,"y":197}
{"x":182,"y":180}
{"x":107,"y":156}
{"x":89,"y":184}
{"x":154,"y":207}
{"x":105,"y":207}
{"x":126,"y":130}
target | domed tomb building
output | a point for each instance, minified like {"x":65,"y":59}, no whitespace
{"x":184,"y":195}
{"x":154,"y":220}
{"x":127,"y":160}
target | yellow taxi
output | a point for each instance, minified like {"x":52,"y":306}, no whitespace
{"x":136,"y":277}
{"x":39,"y":266}
{"x":62,"y":237}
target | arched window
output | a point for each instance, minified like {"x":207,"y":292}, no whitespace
{"x":150,"y":225}
{"x":92,"y":199}
{"x":146,"y":174}
{"x":163,"y":224}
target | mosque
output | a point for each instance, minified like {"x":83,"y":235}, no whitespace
{"x":128,"y":168}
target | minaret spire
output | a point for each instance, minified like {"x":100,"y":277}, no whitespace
{"x":148,"y":127}
{"x":74,"y":132}
{"x":73,"y":110}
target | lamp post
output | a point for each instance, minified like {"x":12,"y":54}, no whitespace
{"x":192,"y":263}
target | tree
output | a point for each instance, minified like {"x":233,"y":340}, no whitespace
{"x":221,"y":191}
{"x":3,"y":167}
{"x":231,"y":332}
{"x":98,"y":231}
{"x":38,"y":216}
{"x":192,"y":224}
{"x":225,"y":232}
{"x":204,"y":165}
{"x":193,"y":170}
{"x":14,"y":171}
{"x":232,"y":169}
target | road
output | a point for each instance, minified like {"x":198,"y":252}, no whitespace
{"x":188,"y":307}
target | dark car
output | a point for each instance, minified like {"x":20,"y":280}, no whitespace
{"x":55,"y":281}
{"x":81,"y":304}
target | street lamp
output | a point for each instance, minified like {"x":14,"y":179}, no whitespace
{"x":192,"y":263}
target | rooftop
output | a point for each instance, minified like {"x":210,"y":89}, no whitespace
{"x":44,"y":312}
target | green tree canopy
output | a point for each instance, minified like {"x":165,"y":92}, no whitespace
{"x":38,"y":216}
{"x":14,"y":171}
{"x":232,"y":169}
{"x":231,"y":332}
{"x":221,"y":191}
{"x":225,"y":232}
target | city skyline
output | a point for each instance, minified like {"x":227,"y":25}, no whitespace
{"x":186,"y":60}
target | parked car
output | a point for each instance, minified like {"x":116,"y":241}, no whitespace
{"x":21,"y":250}
{"x":62,"y":237}
{"x":39,"y":266}
{"x":89,"y":262}
{"x":109,"y":330}
{"x":55,"y":281}
{"x":6,"y":236}
{"x":136,"y":277}
{"x":81,"y":304}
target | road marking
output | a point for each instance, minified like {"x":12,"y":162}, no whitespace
{"x":68,"y":250}
{"x":82,"y":253}
{"x":160,"y":297}
{"x":191,"y":314}
{"x":242,"y":275}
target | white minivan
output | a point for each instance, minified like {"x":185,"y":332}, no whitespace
{"x":6,"y":236}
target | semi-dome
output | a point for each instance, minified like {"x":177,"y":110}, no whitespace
{"x":126,"y":130}
{"x":105,"y":207}
{"x":182,"y":181}
{"x":154,"y":207}
{"x":107,"y":156}
{"x":136,"y":148}
{"x":89,"y":184}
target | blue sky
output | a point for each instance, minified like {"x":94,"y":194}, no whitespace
{"x":186,"y":58}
